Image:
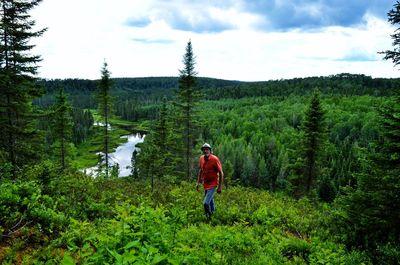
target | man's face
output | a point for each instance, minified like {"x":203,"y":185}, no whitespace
{"x":206,"y":151}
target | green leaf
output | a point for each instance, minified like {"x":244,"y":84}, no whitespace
{"x":158,"y":259}
{"x":118,"y":257}
{"x":67,"y":260}
{"x":132,"y":244}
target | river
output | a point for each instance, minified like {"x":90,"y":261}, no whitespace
{"x":122,"y":155}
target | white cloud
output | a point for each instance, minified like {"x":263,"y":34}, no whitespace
{"x":81,"y":34}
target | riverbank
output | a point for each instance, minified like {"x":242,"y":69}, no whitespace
{"x":121,"y":156}
{"x":86,"y":153}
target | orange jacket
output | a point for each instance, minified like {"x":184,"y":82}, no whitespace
{"x":210,"y":169}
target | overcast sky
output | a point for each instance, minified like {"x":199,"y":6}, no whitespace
{"x":248,"y":40}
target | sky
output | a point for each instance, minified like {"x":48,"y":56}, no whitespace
{"x":247,"y":40}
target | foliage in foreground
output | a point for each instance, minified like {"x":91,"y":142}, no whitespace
{"x":77,"y":220}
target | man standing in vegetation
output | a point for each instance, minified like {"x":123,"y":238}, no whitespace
{"x":211,"y":175}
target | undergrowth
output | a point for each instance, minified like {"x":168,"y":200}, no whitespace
{"x":78,"y":220}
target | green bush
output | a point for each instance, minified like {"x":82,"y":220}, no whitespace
{"x":118,"y":221}
{"x":16,"y":199}
{"x":387,"y":254}
{"x":293,"y":248}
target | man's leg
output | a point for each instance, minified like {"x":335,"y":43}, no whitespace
{"x":212,"y":205}
{"x":209,"y":202}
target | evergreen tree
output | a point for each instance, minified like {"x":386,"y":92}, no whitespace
{"x":314,"y":136}
{"x":188,"y":98}
{"x":62,"y":125}
{"x":161,"y":127}
{"x":83,"y":121}
{"x":162,"y":142}
{"x":17,"y":81}
{"x":134,"y":170}
{"x":155,"y":159}
{"x":394,"y":19}
{"x":104,"y":98}
{"x":262,"y":171}
{"x":373,"y":208}
{"x":228,"y":172}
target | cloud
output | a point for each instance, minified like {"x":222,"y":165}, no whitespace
{"x":201,"y":22}
{"x":193,"y":16}
{"x":310,"y":14}
{"x":153,"y":41}
{"x":269,"y":15}
{"x":359,"y":57}
{"x":138,"y":22}
{"x":232,"y":39}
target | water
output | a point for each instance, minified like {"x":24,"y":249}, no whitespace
{"x":97,"y":123}
{"x":122,"y":155}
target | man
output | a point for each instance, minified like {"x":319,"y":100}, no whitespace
{"x":211,"y":175}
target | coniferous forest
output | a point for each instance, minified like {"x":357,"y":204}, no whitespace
{"x":311,"y":165}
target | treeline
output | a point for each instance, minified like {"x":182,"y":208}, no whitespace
{"x":143,"y":89}
{"x":80,"y":92}
{"x":139,"y":98}
{"x":341,"y":84}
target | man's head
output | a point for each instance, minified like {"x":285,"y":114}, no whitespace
{"x":206,"y":148}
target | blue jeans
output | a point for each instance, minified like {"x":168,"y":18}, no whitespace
{"x":209,"y":205}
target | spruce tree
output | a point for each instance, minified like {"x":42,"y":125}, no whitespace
{"x":187,"y":99}
{"x":314,"y":136}
{"x":394,"y":19}
{"x":104,"y":103}
{"x":134,"y":170}
{"x":373,"y":208}
{"x":156,"y":159}
{"x":162,"y":132}
{"x":17,"y":82}
{"x":62,"y":126}
{"x":161,"y":127}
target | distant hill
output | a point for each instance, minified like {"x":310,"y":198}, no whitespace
{"x":153,"y":89}
{"x":147,"y":89}
{"x":132,"y":84}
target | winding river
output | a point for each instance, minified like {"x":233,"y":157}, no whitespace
{"x":122,"y":155}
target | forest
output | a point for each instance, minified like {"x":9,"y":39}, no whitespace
{"x":311,"y":165}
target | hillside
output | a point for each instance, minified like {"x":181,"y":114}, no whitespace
{"x":84,"y":221}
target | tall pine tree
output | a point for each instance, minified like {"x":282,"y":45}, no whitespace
{"x":394,"y":19}
{"x":17,"y":82}
{"x":373,"y":208}
{"x":156,"y":159}
{"x":314,"y":136}
{"x":187,"y":99}
{"x":104,"y":103}
{"x":62,"y":126}
{"x":162,"y":141}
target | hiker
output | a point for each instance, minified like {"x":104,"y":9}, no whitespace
{"x":211,"y":176}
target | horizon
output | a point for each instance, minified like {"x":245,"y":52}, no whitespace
{"x":206,"y":77}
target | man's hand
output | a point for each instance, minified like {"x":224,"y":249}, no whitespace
{"x":197,"y":186}
{"x":219,"y":189}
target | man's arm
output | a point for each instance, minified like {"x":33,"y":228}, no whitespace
{"x":220,"y":181}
